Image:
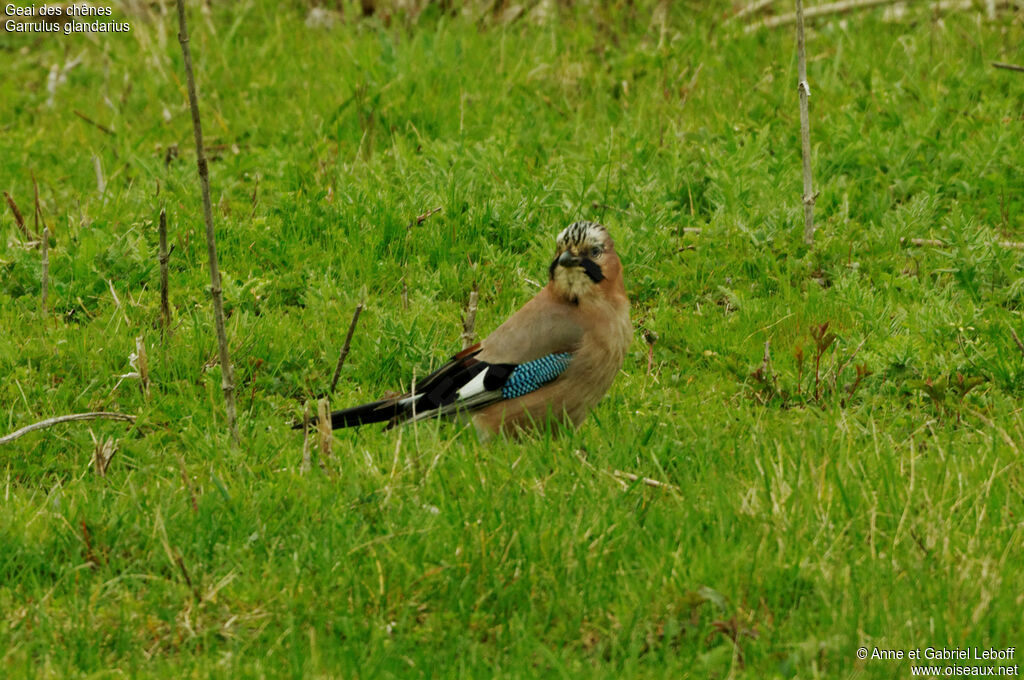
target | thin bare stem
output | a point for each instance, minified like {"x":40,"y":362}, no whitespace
{"x":469,"y":323}
{"x":307,"y":441}
{"x":50,"y":422}
{"x":345,"y":347}
{"x":323,"y":425}
{"x":46,"y":266}
{"x":143,"y":362}
{"x":227,"y":377}
{"x":90,"y":121}
{"x":1008,"y":67}
{"x":805,"y":126}
{"x":165,"y":256}
{"x":1016,"y":339}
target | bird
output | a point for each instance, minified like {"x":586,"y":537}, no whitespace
{"x":550,"y":362}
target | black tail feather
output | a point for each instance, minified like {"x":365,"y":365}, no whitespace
{"x":374,"y":412}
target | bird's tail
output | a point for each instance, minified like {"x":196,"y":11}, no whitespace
{"x":374,"y":412}
{"x":364,"y":414}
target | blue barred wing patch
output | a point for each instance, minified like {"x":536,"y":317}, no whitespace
{"x":526,"y":378}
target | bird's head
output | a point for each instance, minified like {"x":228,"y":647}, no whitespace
{"x":584,"y":260}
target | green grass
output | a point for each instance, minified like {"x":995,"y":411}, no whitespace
{"x":807,"y":522}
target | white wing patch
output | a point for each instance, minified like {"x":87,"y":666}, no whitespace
{"x":473,"y":387}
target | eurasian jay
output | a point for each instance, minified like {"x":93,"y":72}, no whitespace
{"x":552,"y":360}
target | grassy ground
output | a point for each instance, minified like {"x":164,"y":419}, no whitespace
{"x":877,"y":503}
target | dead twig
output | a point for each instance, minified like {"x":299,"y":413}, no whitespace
{"x":188,"y":579}
{"x":420,"y":219}
{"x":469,"y":322}
{"x":90,"y":121}
{"x":1016,"y":339}
{"x":227,"y":378}
{"x":805,"y":126}
{"x":50,"y":422}
{"x":345,"y":347}
{"x":1008,"y":67}
{"x":165,"y":256}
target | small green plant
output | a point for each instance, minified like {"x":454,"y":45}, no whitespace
{"x":823,"y":386}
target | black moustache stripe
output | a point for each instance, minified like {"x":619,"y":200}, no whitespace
{"x":593,"y":270}
{"x":590,"y":268}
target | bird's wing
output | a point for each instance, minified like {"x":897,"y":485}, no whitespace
{"x":543,"y":326}
{"x":465,"y":383}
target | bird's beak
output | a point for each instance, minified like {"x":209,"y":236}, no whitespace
{"x":567,"y":259}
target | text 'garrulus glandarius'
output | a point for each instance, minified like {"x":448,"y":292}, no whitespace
{"x":552,"y":360}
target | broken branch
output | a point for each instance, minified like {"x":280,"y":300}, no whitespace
{"x":50,"y":422}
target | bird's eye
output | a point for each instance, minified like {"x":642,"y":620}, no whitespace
{"x":595,"y":251}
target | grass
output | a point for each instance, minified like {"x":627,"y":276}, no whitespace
{"x":879,"y":505}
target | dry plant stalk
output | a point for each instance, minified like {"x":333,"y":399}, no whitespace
{"x":323,"y":426}
{"x":46,"y":266}
{"x":1008,"y":67}
{"x":1016,"y":340}
{"x":143,"y":361}
{"x":165,"y":256}
{"x":805,"y":126}
{"x":469,"y":323}
{"x":307,"y":441}
{"x":346,"y":346}
{"x":103,"y":453}
{"x":227,"y":378}
{"x":49,"y":422}
{"x":19,"y":220}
